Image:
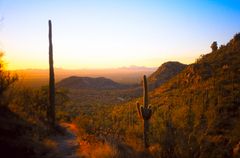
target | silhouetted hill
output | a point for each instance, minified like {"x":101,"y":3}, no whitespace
{"x":164,"y":73}
{"x":99,"y":83}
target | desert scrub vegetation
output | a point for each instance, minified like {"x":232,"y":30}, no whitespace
{"x":196,"y":113}
{"x":6,"y":80}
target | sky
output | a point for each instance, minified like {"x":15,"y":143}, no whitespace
{"x":94,"y":34}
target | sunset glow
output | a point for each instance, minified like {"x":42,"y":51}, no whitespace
{"x":108,"y":34}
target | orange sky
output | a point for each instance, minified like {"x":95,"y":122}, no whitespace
{"x":109,"y":34}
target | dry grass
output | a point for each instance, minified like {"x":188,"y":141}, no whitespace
{"x":103,"y":151}
{"x":96,"y":150}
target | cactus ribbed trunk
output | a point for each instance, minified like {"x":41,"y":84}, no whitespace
{"x":145,"y":104}
{"x":145,"y":133}
{"x":145,"y":92}
{"x":51,"y":108}
{"x":145,"y":112}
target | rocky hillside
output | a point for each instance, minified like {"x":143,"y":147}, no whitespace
{"x":99,"y":83}
{"x":164,"y":73}
{"x":197,"y":112}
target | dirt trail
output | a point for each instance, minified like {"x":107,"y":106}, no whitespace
{"x":70,"y":145}
{"x":67,"y":145}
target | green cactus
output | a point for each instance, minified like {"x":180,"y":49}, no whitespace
{"x":145,"y":112}
{"x":51,"y":108}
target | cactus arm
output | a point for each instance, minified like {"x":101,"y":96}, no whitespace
{"x":139,"y":110}
{"x":143,"y":112}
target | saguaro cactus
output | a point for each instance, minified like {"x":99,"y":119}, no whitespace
{"x":145,"y":112}
{"x":51,"y":108}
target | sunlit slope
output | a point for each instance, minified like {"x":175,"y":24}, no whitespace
{"x":202,"y":102}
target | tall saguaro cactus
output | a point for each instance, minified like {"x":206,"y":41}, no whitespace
{"x":51,"y":108}
{"x":145,"y":112}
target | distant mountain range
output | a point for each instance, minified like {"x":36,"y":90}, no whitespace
{"x":125,"y":75}
{"x":121,"y":76}
{"x":164,"y":73}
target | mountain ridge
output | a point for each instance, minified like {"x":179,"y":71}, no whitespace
{"x":98,"y":83}
{"x":164,"y":73}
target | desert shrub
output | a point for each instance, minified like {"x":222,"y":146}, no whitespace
{"x":6,"y":80}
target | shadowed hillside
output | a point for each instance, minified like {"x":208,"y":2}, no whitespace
{"x":13,"y":143}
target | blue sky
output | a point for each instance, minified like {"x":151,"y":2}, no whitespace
{"x":104,"y":34}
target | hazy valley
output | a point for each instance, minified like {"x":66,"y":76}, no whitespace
{"x":126,"y":75}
